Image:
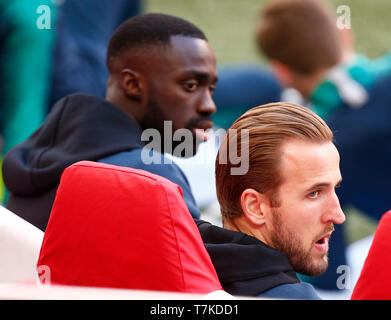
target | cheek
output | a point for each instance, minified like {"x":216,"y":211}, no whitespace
{"x":175,"y":110}
{"x":178,"y":106}
{"x":180,"y":119}
{"x":303,"y":215}
{"x":182,"y":115}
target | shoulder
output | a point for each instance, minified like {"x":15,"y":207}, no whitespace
{"x":159,"y":164}
{"x":300,"y":290}
{"x":152,"y":161}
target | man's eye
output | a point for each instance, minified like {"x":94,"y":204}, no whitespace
{"x":212,"y":89}
{"x":191,"y":86}
{"x":313,"y":194}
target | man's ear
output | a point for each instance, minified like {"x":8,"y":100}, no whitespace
{"x":256,"y":207}
{"x":131,"y":82}
{"x":283,"y":73}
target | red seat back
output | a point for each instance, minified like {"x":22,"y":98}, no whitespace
{"x":118,"y":227}
{"x":374,"y":282}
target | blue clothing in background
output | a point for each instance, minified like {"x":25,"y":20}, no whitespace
{"x":240,"y":88}
{"x":295,"y":291}
{"x":84,"y":29}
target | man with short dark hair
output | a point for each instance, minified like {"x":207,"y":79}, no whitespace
{"x":162,"y":76}
{"x":279,"y":216}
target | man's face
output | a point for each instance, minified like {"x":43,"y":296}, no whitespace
{"x":308,"y":205}
{"x":180,"y":82}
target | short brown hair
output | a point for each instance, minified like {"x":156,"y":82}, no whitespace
{"x":302,"y":34}
{"x":269,"y":126}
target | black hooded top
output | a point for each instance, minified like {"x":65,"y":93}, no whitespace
{"x":248,"y":267}
{"x":79,"y":127}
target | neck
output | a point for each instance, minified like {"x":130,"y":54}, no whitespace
{"x":306,"y":84}
{"x":119,"y":100}
{"x":241,"y":225}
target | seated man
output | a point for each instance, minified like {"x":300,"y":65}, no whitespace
{"x":279,"y":212}
{"x":309,"y":53}
{"x":162,"y":76}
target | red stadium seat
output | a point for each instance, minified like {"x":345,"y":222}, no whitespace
{"x":374,"y":282}
{"x":118,"y":227}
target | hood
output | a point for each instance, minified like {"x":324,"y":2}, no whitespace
{"x":79,"y":127}
{"x":245,"y":265}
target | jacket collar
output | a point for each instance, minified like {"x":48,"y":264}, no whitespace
{"x":244,"y":264}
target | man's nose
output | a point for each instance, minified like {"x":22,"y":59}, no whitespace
{"x":207,"y":105}
{"x":334,"y":211}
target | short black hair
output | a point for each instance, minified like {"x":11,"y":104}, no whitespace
{"x":150,"y":29}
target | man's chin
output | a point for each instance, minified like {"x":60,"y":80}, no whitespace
{"x":313,"y":269}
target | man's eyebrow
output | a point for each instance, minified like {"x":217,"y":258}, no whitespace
{"x":323,"y":184}
{"x":200,"y":75}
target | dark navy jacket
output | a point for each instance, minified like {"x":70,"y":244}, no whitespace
{"x":248,"y":267}
{"x":79,"y":127}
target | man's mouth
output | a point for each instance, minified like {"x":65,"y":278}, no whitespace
{"x":322,"y":244}
{"x":201,"y":130}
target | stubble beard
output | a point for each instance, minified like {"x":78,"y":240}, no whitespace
{"x":288,"y":242}
{"x":155,"y":117}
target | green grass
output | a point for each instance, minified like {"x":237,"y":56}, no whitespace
{"x":229,"y":26}
{"x":370,"y":25}
{"x":358,"y":225}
